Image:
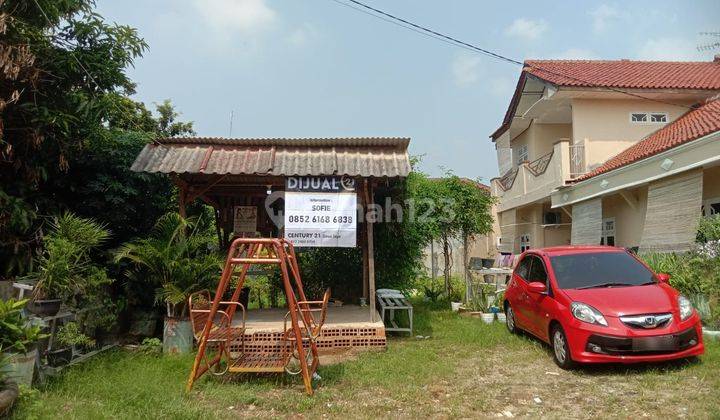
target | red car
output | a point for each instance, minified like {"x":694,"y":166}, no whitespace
{"x":599,"y":304}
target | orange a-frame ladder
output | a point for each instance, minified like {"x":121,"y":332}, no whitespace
{"x":214,"y":318}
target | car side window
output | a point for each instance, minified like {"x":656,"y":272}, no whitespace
{"x":523,"y":268}
{"x":537,"y":271}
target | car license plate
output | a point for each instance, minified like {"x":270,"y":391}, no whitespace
{"x":661,"y":343}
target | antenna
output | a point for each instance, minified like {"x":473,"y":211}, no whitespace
{"x":232,"y":113}
{"x":712,"y":45}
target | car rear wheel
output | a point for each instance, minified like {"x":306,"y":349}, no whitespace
{"x":561,"y":350}
{"x":510,"y":319}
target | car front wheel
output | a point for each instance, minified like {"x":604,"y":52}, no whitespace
{"x":510,"y":319}
{"x":561,"y":350}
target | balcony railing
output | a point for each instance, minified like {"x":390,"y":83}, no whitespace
{"x":506,"y":181}
{"x":540,"y":165}
{"x":577,"y":159}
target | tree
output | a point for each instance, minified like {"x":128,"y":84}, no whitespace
{"x":63,"y":75}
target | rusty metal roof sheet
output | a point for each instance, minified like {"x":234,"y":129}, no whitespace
{"x":358,"y":156}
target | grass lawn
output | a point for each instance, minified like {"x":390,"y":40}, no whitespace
{"x":465,"y":369}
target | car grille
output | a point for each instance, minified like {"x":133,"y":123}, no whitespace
{"x":657,"y":344}
{"x":647,"y":321}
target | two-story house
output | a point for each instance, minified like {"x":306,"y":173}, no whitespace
{"x":623,"y":153}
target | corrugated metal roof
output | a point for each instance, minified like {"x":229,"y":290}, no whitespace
{"x":366,"y":156}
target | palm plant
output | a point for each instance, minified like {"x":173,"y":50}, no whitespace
{"x":178,"y":258}
{"x":66,"y":264}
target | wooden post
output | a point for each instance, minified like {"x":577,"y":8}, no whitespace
{"x":370,"y":251}
{"x":181,"y":202}
{"x":363,"y":246}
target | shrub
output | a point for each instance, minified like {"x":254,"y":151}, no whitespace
{"x":71,"y":335}
{"x":16,"y":335}
{"x":708,"y":229}
{"x":65,"y":268}
{"x":694,"y":275}
{"x":179,"y":258}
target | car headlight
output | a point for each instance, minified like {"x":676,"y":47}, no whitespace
{"x":587,"y":313}
{"x":685,"y":306}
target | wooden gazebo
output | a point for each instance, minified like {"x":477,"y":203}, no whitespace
{"x":226,"y":173}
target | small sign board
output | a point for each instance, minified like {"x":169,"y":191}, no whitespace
{"x":245,"y":220}
{"x":321,"y":211}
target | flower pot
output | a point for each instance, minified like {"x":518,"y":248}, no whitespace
{"x":22,"y":367}
{"x":488,"y":318}
{"x":177,"y":336}
{"x":59,"y":357}
{"x":44,"y":307}
{"x":501,"y":317}
{"x":455,"y":306}
{"x":8,"y":394}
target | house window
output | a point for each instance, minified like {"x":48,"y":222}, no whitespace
{"x":649,"y":117}
{"x":522,"y":154}
{"x":658,"y":117}
{"x":524,"y":242}
{"x":711,"y":207}
{"x":608,"y":232}
{"x":638,"y":117}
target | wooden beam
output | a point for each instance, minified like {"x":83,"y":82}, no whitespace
{"x":370,"y":251}
{"x":630,"y":199}
{"x":204,"y":189}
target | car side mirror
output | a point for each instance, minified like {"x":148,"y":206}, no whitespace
{"x":663,"y":277}
{"x":537,"y":287}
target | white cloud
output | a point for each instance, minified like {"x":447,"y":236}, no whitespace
{"x":670,"y":49}
{"x":302,"y":35}
{"x":466,"y":69}
{"x":527,"y":28}
{"x":575,"y":54}
{"x":602,"y":15}
{"x":248,"y":16}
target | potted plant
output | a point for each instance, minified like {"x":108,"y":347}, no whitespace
{"x":18,"y":339}
{"x":179,"y":260}
{"x":8,"y":388}
{"x":65,"y":267}
{"x":478,"y":303}
{"x":70,"y":336}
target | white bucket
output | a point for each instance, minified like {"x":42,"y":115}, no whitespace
{"x":501,"y":317}
{"x":455,"y":306}
{"x":488,"y":318}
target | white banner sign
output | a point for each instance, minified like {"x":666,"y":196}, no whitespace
{"x":320,"y":219}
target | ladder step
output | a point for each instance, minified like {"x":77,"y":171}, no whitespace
{"x":260,"y":362}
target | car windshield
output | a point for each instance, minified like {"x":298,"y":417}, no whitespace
{"x":599,"y":269}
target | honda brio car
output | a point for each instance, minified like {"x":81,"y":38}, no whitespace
{"x":600,"y":304}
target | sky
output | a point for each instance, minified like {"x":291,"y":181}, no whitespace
{"x":317,"y":68}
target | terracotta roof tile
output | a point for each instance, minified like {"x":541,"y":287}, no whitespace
{"x":693,"y":125}
{"x":616,"y":74}
{"x":703,"y":75}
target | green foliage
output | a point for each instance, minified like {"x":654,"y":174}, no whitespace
{"x":4,"y":368}
{"x":694,"y":275}
{"x":180,"y":257}
{"x":151,"y":346}
{"x":65,"y":268}
{"x":71,"y":335}
{"x":102,"y":186}
{"x":52,"y":107}
{"x":16,"y":335}
{"x":708,"y":229}
{"x":482,"y":297}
